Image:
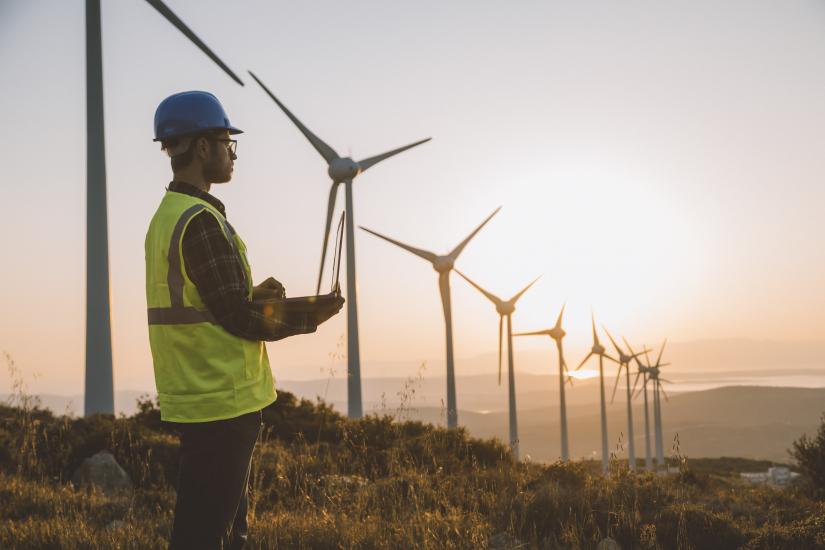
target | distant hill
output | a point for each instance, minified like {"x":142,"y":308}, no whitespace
{"x":750,"y":422}
{"x":744,"y":421}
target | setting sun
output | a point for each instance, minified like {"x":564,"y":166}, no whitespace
{"x":583,"y":374}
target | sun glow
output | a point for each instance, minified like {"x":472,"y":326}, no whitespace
{"x":583,"y":374}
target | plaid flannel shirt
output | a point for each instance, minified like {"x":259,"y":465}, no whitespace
{"x":216,"y":270}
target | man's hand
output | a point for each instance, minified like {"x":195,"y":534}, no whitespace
{"x":334,"y":307}
{"x":270,"y":288}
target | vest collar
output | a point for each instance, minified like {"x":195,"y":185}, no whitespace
{"x":189,"y":189}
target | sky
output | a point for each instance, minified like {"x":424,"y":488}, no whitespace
{"x":657,"y":162}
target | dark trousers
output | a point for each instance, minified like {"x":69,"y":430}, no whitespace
{"x":215,"y":458}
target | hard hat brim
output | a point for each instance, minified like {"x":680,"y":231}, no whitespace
{"x":231,"y":129}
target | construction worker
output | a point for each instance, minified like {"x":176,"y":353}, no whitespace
{"x":206,"y":333}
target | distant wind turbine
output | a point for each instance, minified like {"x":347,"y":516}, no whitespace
{"x":443,"y":265}
{"x":557,"y":333}
{"x":342,"y":170}
{"x":624,"y":363}
{"x":506,"y":308}
{"x":599,"y":351}
{"x":643,"y":372}
{"x":653,"y":374}
{"x":99,"y":384}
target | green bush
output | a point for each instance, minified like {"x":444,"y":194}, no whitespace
{"x":809,"y":454}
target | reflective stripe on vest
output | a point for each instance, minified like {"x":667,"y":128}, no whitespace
{"x":177,"y":313}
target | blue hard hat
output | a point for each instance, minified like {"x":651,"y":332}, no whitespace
{"x":190,"y":112}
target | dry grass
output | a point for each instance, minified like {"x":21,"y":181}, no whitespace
{"x":322,"y":481}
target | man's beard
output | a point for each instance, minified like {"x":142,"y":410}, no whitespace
{"x":214,"y":171}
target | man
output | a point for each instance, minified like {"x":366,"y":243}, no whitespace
{"x":206,"y":332}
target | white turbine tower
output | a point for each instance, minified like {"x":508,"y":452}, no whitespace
{"x":653,"y":374}
{"x":506,"y":308}
{"x":599,"y":351}
{"x":624,"y":363}
{"x":342,"y":170}
{"x":443,"y":265}
{"x":643,"y":372}
{"x":557,"y":333}
{"x":99,"y":384}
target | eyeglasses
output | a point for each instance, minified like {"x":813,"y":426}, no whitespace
{"x":231,"y":144}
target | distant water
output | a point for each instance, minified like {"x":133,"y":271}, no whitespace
{"x":785,"y":381}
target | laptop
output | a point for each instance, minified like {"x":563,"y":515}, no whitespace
{"x":308,"y":304}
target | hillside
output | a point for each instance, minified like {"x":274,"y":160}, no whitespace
{"x":321,"y":481}
{"x":746,"y":421}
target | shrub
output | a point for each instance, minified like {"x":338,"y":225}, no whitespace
{"x":690,"y":525}
{"x":809,"y":454}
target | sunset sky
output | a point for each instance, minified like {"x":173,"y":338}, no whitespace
{"x":659,"y":162}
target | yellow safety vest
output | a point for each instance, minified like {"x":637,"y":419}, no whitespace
{"x":202,"y":372}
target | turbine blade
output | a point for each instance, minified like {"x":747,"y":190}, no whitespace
{"x":606,"y":356}
{"x":325,"y":150}
{"x":662,"y":388}
{"x":643,"y":388}
{"x":561,"y":314}
{"x":665,"y":380}
{"x":584,"y":361}
{"x":615,"y":345}
{"x":490,"y":296}
{"x":181,"y":26}
{"x":429,"y":256}
{"x":366,"y":163}
{"x":661,"y":351}
{"x":444,"y":288}
{"x":635,"y":381}
{"x":457,"y":250}
{"x":330,"y":207}
{"x":595,"y":334}
{"x":616,"y":385}
{"x":515,"y":298}
{"x":500,"y":338}
{"x":536,"y":333}
{"x":634,"y":355}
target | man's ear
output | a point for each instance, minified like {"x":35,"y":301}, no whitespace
{"x":202,"y":147}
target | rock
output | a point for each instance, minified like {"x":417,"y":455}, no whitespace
{"x":503,"y":541}
{"x":102,"y":472}
{"x":608,"y":544}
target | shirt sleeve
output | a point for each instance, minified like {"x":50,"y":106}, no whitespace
{"x":215,"y":268}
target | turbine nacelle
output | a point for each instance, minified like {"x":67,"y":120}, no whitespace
{"x":343,"y":169}
{"x":598,"y":349}
{"x":557,"y":333}
{"x":505,"y":308}
{"x":443,"y":264}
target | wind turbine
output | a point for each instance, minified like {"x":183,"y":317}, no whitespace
{"x":643,"y":372}
{"x":599,"y":351}
{"x":653,"y":374}
{"x":557,"y":333}
{"x":624,"y":363}
{"x":443,"y":265}
{"x":506,"y":308}
{"x":99,"y":385}
{"x":342,"y":170}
